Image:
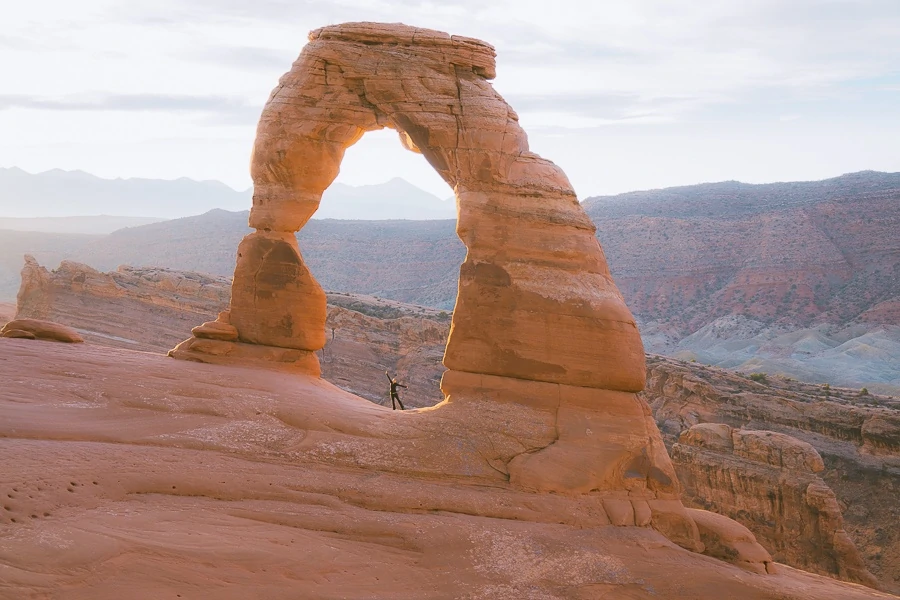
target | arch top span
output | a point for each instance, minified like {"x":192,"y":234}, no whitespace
{"x":463,"y":51}
{"x":535,"y":298}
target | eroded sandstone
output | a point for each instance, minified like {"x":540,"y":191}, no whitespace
{"x":769,"y":481}
{"x":805,"y":471}
{"x":217,"y":482}
{"x":540,"y":336}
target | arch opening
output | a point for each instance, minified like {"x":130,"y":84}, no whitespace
{"x":535,"y":300}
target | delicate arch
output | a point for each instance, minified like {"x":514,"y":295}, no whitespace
{"x":535,"y":298}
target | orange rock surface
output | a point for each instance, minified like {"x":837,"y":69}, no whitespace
{"x":535,"y":301}
{"x":539,"y":327}
{"x":130,"y":475}
{"x":769,"y":481}
{"x":41,"y":330}
{"x":539,"y":333}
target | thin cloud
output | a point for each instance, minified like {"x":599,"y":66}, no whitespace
{"x":226,"y":108}
{"x":606,"y":108}
{"x":243,"y":57}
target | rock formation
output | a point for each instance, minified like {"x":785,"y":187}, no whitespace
{"x":785,"y":498}
{"x":35,"y":329}
{"x":141,"y":309}
{"x":540,"y":336}
{"x":541,"y":435}
{"x":372,"y":335}
{"x":151,"y":309}
{"x":535,"y":300}
{"x":127,"y":474}
{"x":770,"y":481}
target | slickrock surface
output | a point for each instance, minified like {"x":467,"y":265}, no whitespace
{"x":130,"y":475}
{"x":857,"y":437}
{"x":770,"y":481}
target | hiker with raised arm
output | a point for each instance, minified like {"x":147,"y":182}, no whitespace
{"x":394,"y":395}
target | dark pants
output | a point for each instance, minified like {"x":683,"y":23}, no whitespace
{"x":394,"y":396}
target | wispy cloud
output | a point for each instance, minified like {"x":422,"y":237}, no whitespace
{"x":225,"y":108}
{"x":242,"y":57}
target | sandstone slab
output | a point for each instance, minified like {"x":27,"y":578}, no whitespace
{"x":43,"y":330}
{"x":210,"y":481}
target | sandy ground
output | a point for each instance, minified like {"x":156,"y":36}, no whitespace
{"x":132,"y":475}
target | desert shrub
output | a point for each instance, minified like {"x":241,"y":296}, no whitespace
{"x":758,"y":377}
{"x":864,"y":392}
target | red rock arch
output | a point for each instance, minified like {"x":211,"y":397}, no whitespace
{"x":535,"y":300}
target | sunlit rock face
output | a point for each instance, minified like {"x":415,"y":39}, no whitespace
{"x":541,"y":346}
{"x":535,"y":301}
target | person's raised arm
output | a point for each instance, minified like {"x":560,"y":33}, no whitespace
{"x":401,"y":385}
{"x":389,"y":377}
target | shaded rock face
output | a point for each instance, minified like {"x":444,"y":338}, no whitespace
{"x":768,"y":481}
{"x":842,"y":474}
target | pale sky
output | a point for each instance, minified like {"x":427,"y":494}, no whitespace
{"x":623,"y":95}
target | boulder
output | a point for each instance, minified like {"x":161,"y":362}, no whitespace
{"x":42,"y":330}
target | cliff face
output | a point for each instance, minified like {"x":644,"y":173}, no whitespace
{"x":768,"y":482}
{"x":785,"y":253}
{"x":153,"y":309}
{"x":789,"y":508}
{"x":136,"y":308}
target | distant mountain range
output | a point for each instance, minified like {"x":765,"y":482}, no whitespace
{"x":98,"y":224}
{"x":794,"y":278}
{"x":34,"y":199}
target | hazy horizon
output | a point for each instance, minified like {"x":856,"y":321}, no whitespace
{"x":623,"y":96}
{"x":401,"y":177}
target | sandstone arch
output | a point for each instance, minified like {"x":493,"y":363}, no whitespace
{"x":536,"y":300}
{"x":544,"y":357}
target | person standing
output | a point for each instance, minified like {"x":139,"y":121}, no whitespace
{"x":395,"y":397}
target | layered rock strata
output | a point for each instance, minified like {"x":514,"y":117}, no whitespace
{"x":541,"y":342}
{"x":151,"y":309}
{"x":770,"y":481}
{"x":857,"y":438}
{"x":138,"y":308}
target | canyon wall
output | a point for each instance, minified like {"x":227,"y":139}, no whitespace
{"x":857,"y":437}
